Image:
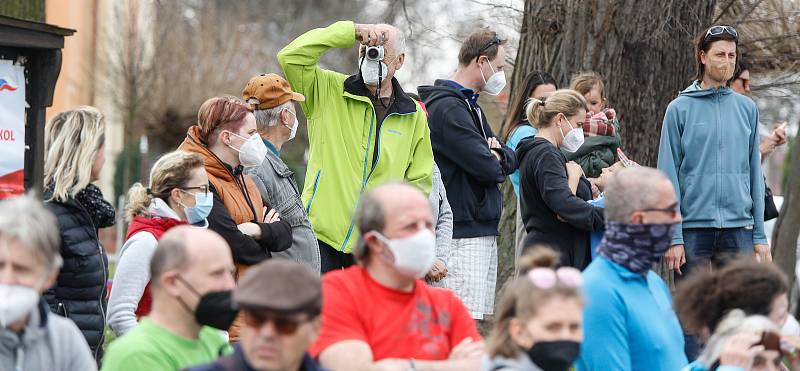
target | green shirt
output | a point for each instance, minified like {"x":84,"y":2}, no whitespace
{"x":150,"y":347}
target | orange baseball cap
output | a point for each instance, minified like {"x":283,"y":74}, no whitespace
{"x":269,"y":90}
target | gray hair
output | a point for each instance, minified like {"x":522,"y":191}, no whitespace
{"x":370,"y":216}
{"x":630,"y":190}
{"x":736,"y":322}
{"x":266,"y":118}
{"x":25,"y":219}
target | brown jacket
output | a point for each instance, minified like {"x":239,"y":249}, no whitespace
{"x":237,"y":200}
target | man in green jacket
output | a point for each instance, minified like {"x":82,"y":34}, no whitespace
{"x":360,"y":135}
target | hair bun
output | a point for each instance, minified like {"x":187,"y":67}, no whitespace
{"x":538,"y":257}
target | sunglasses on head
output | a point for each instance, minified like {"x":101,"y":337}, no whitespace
{"x":546,"y":278}
{"x":719,"y":30}
{"x":283,"y":324}
{"x":495,"y":41}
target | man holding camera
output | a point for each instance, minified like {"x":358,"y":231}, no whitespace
{"x":363,"y":129}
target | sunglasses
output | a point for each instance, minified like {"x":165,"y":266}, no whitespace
{"x":672,"y":210}
{"x":284,"y":325}
{"x":495,"y":41}
{"x":546,"y":278}
{"x":719,"y":30}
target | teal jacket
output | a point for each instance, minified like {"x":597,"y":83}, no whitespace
{"x":709,"y":150}
{"x":343,"y":133}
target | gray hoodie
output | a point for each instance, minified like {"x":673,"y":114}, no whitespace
{"x":48,"y":343}
{"x":521,"y":363}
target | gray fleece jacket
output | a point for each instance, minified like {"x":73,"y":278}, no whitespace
{"x":48,"y":343}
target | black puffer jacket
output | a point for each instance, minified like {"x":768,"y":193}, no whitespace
{"x":80,"y":290}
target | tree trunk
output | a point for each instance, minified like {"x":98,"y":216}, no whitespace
{"x":643,"y":49}
{"x":787,"y":227}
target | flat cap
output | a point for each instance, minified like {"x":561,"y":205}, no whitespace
{"x":279,"y":285}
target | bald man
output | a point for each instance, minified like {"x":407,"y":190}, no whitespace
{"x":379,"y":314}
{"x":363,"y":130}
{"x":189,"y":264}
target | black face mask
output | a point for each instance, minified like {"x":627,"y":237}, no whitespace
{"x":555,"y":355}
{"x":215,"y":309}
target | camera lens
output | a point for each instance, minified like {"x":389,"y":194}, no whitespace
{"x":372,"y":53}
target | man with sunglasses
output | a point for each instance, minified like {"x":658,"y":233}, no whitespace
{"x":710,"y":151}
{"x":281,"y":319}
{"x":380,"y":314}
{"x":628,"y":311}
{"x":363,"y":129}
{"x":473,"y":163}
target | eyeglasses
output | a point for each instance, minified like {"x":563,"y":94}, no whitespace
{"x":202,"y":188}
{"x":546,"y":278}
{"x":672,"y":210}
{"x":495,"y":41}
{"x":719,"y":30}
{"x":284,"y":325}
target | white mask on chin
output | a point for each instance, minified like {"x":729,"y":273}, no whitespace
{"x":495,"y":84}
{"x":17,"y":302}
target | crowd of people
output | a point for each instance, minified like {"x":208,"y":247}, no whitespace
{"x":387,"y":258}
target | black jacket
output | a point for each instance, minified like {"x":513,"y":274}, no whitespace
{"x":470,"y":171}
{"x":80,"y":290}
{"x":544,"y":195}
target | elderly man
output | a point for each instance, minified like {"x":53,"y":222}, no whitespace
{"x":192,"y":279}
{"x":380,"y":314}
{"x":626,"y":302}
{"x":363,"y":129}
{"x":31,"y":338}
{"x":280,"y":319}
{"x":272,"y":100}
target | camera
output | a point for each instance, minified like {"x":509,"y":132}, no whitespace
{"x":374,"y":53}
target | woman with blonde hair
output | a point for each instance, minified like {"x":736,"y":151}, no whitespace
{"x":539,"y":319}
{"x":74,"y":158}
{"x":554,"y":192}
{"x":177,"y":194}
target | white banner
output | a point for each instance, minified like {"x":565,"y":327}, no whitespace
{"x":12,"y":130}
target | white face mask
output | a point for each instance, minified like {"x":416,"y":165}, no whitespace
{"x":573,"y":140}
{"x":17,"y":302}
{"x":293,"y":128}
{"x":252,"y":152}
{"x":369,"y":71}
{"x":495,"y":84}
{"x":413,"y":255}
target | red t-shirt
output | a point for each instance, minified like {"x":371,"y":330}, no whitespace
{"x":423,"y":324}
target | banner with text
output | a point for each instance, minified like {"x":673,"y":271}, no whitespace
{"x":12,"y":130}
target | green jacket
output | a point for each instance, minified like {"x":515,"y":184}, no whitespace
{"x":343,"y":133}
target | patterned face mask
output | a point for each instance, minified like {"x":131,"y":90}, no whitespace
{"x":636,"y":246}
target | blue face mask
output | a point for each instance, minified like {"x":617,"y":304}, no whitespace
{"x":203,"y":202}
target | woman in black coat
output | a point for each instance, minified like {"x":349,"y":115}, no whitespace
{"x":74,"y":159}
{"x":553,"y":193}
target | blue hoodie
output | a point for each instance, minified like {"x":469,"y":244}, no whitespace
{"x":709,"y":150}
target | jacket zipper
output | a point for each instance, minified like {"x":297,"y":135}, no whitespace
{"x":103,"y":290}
{"x":313,"y":192}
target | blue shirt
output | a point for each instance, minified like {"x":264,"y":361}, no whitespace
{"x":521,"y":132}
{"x":628,"y":321}
{"x":471,"y":94}
{"x":272,"y":148}
{"x":597,"y":236}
